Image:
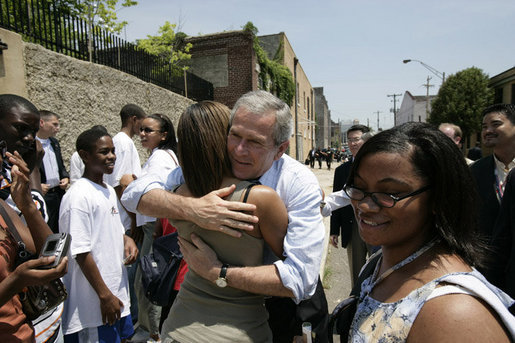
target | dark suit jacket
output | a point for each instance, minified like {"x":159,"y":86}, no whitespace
{"x":60,"y":164}
{"x":483,"y":171}
{"x":502,"y":270}
{"x":342,"y":219}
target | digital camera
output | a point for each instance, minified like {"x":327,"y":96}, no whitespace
{"x":56,"y":245}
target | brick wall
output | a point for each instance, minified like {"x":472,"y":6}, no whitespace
{"x":228,"y":61}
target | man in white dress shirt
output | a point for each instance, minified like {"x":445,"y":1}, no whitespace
{"x":261,"y":126}
{"x":54,"y":177}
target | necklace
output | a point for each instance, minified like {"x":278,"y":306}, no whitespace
{"x":375,"y":280}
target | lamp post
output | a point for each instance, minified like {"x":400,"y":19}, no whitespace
{"x":428,"y":67}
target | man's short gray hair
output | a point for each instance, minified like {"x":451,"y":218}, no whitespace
{"x":261,"y":103}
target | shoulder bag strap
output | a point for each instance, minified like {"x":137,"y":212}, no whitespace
{"x":10,"y":225}
{"x":23,"y":254}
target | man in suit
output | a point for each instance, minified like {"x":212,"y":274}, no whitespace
{"x":312,"y":157}
{"x":498,"y":132}
{"x":343,"y":222}
{"x":502,"y":271}
{"x":54,"y":177}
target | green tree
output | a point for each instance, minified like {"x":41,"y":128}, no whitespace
{"x":461,"y":100}
{"x":169,"y":45}
{"x":100,"y":12}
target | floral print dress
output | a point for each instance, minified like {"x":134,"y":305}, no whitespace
{"x":380,"y":322}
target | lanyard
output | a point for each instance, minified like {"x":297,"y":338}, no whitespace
{"x":376,"y":280}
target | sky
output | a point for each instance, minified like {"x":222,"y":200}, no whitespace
{"x":354,"y":49}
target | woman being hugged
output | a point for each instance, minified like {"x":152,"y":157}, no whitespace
{"x":413,"y":195}
{"x":205,"y":311}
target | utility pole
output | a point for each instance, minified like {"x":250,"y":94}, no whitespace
{"x":427,"y":85}
{"x":394,"y":107}
{"x":378,"y":119}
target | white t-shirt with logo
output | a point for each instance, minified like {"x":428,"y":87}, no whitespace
{"x":90,"y":213}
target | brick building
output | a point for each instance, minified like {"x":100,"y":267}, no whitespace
{"x":229,"y":62}
{"x":278,"y":47}
{"x":323,"y":119}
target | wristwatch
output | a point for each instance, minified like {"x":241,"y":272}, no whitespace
{"x":222,"y":281}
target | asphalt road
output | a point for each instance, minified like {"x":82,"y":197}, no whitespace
{"x":335,"y":266}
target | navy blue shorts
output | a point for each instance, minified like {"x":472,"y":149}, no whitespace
{"x":122,"y":329}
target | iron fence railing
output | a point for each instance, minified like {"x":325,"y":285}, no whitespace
{"x":50,"y":24}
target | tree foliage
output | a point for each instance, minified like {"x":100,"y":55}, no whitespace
{"x":169,"y":45}
{"x":100,"y":12}
{"x":275,"y":77}
{"x":461,"y":100}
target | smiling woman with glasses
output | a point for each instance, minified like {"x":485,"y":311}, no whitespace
{"x":413,"y":195}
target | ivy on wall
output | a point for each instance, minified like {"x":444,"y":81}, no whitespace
{"x":275,"y":77}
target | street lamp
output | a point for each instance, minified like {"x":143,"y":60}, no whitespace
{"x":428,"y":67}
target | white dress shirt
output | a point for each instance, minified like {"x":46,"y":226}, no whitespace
{"x":298,"y":188}
{"x":50,"y":163}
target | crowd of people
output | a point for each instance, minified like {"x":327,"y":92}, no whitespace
{"x":249,"y":223}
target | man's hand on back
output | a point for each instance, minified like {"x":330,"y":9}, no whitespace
{"x":211,"y":212}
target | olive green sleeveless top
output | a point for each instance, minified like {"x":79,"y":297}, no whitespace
{"x":204,"y":312}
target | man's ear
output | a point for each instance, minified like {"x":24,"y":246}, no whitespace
{"x":282,"y":149}
{"x":41,"y":122}
{"x":84,"y":155}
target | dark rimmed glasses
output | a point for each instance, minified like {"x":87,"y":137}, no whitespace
{"x":384,"y":200}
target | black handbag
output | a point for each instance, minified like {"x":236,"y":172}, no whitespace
{"x":36,"y":299}
{"x":341,"y":318}
{"x":159,"y":269}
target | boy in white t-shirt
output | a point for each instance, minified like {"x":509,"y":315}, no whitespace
{"x":97,"y":309}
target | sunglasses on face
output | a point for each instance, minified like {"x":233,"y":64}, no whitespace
{"x":147,"y":130}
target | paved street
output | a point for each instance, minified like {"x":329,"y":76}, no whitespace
{"x":335,"y":270}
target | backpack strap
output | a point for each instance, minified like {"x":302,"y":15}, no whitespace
{"x":171,"y":155}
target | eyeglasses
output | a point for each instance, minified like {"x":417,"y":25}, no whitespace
{"x":353,"y":140}
{"x":147,"y":130}
{"x":383,"y":200}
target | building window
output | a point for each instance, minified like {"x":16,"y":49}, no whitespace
{"x":512,"y":94}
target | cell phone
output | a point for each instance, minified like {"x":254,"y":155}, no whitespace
{"x":56,"y":245}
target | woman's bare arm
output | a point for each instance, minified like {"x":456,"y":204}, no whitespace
{"x":273,"y":217}
{"x":457,"y":318}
